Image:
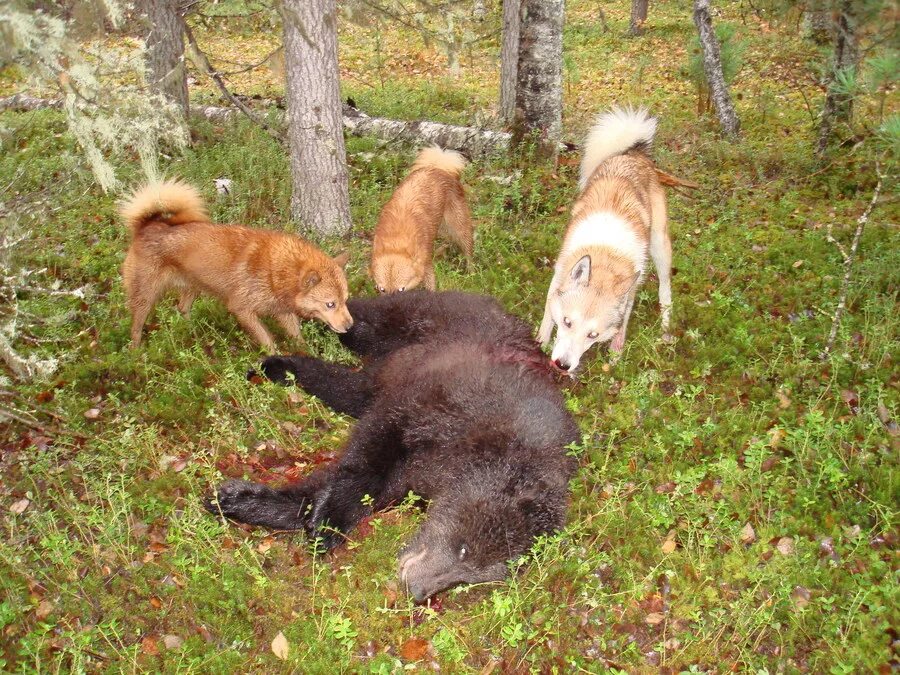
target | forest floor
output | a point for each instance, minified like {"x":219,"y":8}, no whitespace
{"x":735,"y":507}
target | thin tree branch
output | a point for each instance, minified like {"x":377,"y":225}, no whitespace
{"x":203,"y":63}
{"x":848,"y":258}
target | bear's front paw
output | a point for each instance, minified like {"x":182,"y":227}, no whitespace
{"x":276,"y":368}
{"x":233,"y":495}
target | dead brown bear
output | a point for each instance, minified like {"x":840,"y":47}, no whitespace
{"x":456,"y":403}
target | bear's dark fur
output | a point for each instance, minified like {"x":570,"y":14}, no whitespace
{"x":456,"y":403}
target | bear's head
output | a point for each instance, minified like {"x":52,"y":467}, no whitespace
{"x":477,"y":527}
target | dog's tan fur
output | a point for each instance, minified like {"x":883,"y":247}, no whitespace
{"x":254,"y":272}
{"x":429,"y":197}
{"x":592,"y":293}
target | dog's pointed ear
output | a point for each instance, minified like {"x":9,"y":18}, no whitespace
{"x":581,"y":272}
{"x":310,"y":279}
{"x":342,"y":258}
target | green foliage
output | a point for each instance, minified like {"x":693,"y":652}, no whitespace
{"x":731,"y":51}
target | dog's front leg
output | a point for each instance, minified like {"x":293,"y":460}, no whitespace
{"x":545,"y":332}
{"x":257,"y":330}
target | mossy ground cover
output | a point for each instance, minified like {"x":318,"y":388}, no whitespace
{"x":735,"y":507}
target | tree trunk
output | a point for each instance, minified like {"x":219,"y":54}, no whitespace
{"x":509,"y":60}
{"x":817,"y":24}
{"x":712,"y":66}
{"x":638,"y":17}
{"x":838,"y":105}
{"x":539,"y":75}
{"x":165,"y":51}
{"x":320,"y":200}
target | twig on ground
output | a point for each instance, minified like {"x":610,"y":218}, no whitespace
{"x":848,"y":258}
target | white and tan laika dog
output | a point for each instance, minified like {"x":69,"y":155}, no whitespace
{"x":618,"y":221}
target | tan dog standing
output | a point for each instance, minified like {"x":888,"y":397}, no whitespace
{"x":254,"y":272}
{"x":429,"y":197}
{"x":617,"y":222}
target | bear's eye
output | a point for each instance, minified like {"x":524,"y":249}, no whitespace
{"x":463,"y":552}
{"x":329,"y":305}
{"x":593,"y":335}
{"x":567,"y":322}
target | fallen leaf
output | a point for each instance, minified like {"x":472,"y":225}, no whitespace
{"x":797,"y":263}
{"x":203,"y":632}
{"x":149,"y":646}
{"x":655,"y":618}
{"x":414,"y":649}
{"x":19,"y":507}
{"x":155,"y":602}
{"x":668,"y":546}
{"x":852,"y":532}
{"x":800,"y":597}
{"x":885,"y":416}
{"x":280,"y":646}
{"x":783,"y":401}
{"x":665,"y":488}
{"x":43,"y":610}
{"x":172,"y":641}
{"x":776,"y":435}
{"x":265,"y":545}
{"x":851,"y":398}
{"x":748,"y":534}
{"x":92,"y":413}
{"x":390,"y":593}
{"x":785,"y":546}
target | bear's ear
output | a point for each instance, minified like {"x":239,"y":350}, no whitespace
{"x":529,"y":498}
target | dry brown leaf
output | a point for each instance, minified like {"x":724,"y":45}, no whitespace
{"x":280,"y":646}
{"x":783,"y":401}
{"x":43,"y":610}
{"x":797,"y":263}
{"x":414,"y":649}
{"x":668,"y":546}
{"x":748,"y":534}
{"x":92,"y":413}
{"x":155,"y":602}
{"x":265,"y":545}
{"x":785,"y":546}
{"x":655,"y":618}
{"x":172,"y":641}
{"x":149,"y":646}
{"x":801,"y":597}
{"x":19,"y":507}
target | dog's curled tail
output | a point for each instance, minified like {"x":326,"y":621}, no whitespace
{"x":435,"y":157}
{"x":615,"y":132}
{"x":172,"y":202}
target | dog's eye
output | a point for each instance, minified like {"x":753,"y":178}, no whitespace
{"x":401,"y":289}
{"x":329,"y":305}
{"x":463,"y":552}
{"x":567,"y":321}
{"x":381,"y":289}
{"x":593,"y":335}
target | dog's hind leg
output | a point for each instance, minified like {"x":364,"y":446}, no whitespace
{"x":340,"y":388}
{"x":458,"y":223}
{"x":661,"y":252}
{"x":143,"y":291}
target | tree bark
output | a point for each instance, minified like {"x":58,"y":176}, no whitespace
{"x":817,"y":24}
{"x":165,"y":51}
{"x":838,"y":105}
{"x":539,"y":75}
{"x":712,"y":66}
{"x":509,"y":60}
{"x":638,"y":17}
{"x":320,"y":199}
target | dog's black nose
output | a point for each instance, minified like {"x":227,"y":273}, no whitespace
{"x":562,"y":366}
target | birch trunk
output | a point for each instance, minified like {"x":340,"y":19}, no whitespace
{"x":509,"y":60}
{"x":838,"y":105}
{"x":712,"y":66}
{"x":539,"y":75}
{"x":319,"y":200}
{"x":638,"y":17}
{"x":165,"y":51}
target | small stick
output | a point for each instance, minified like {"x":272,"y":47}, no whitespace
{"x":848,"y":258}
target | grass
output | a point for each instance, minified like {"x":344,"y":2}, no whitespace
{"x":114,"y":566}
